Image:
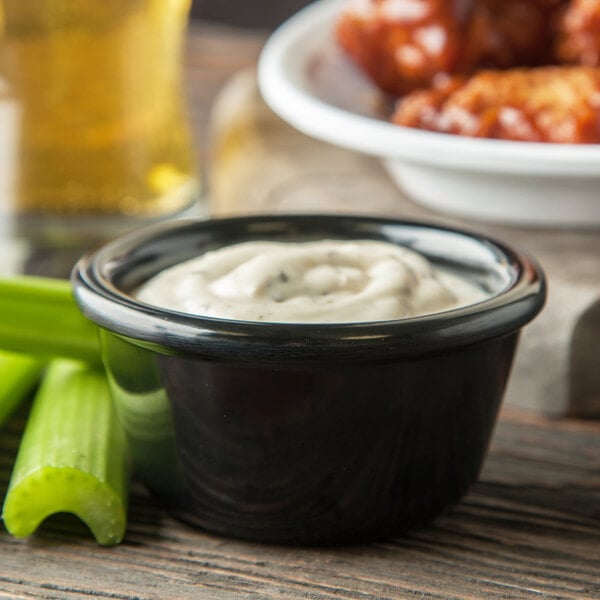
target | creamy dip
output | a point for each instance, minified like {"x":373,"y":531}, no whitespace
{"x":328,"y":281}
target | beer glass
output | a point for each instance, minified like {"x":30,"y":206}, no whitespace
{"x":92,"y":120}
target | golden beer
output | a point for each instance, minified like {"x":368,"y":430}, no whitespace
{"x":91,"y":112}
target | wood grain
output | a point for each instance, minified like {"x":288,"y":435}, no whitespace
{"x":529,"y":529}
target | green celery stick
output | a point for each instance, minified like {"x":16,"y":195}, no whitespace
{"x":38,"y":316}
{"x":73,"y":457}
{"x":19,"y":375}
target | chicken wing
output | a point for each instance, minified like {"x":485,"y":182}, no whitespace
{"x":578,"y":36}
{"x":545,"y":104}
{"x":403,"y":45}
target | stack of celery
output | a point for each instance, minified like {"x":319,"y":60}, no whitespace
{"x":73,"y":455}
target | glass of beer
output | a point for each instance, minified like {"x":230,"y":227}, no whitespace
{"x":92,"y":117}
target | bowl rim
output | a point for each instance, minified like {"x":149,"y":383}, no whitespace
{"x":171,"y":332}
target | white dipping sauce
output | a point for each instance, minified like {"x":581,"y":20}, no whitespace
{"x":329,"y":281}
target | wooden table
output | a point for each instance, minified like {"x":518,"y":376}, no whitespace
{"x":529,"y":529}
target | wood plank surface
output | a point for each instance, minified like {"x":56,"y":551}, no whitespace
{"x":529,"y":529}
{"x":214,"y":54}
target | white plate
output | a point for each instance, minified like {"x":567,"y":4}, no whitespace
{"x":306,"y":79}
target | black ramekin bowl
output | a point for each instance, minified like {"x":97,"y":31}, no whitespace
{"x":296,"y":433}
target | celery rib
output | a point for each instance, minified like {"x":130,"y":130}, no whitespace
{"x":19,"y":375}
{"x":72,"y":458}
{"x":40,"y":317}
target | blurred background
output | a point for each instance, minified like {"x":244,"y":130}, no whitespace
{"x":264,"y":14}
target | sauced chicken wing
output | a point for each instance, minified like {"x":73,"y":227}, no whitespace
{"x":404,"y":44}
{"x":578,"y":33}
{"x":545,"y":104}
